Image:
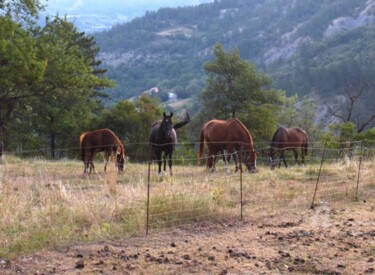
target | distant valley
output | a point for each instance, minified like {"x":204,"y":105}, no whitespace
{"x":94,"y":16}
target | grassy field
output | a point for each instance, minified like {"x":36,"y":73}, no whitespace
{"x":49,"y":204}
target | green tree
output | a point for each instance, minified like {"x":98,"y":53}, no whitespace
{"x":232,"y":84}
{"x":20,"y":69}
{"x":71,"y":82}
{"x":66,"y":92}
{"x":235,"y":88}
{"x":21,"y":10}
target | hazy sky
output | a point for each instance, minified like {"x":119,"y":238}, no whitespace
{"x":97,"y":15}
{"x":67,"y":6}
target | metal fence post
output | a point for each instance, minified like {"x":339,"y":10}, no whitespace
{"x":359,"y":171}
{"x":148,"y":197}
{"x":318,"y":179}
{"x":241,"y":201}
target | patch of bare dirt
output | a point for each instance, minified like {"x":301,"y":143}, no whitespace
{"x":336,"y":240}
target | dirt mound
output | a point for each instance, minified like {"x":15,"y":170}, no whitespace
{"x":341,"y":240}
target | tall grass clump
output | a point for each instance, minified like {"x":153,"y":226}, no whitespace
{"x":48,"y":204}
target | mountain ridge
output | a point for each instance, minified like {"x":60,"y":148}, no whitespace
{"x":297,"y":43}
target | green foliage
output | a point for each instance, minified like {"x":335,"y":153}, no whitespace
{"x":51,"y":84}
{"x":231,"y":85}
{"x":235,"y":89}
{"x":343,"y":131}
{"x":20,"y":68}
{"x":369,"y":134}
{"x":25,"y":11}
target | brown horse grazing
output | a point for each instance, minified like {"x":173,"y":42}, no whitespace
{"x":102,"y":140}
{"x":288,"y":139}
{"x":230,"y":135}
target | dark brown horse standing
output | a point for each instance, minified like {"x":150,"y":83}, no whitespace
{"x":102,"y":140}
{"x":230,"y":135}
{"x":288,"y":139}
{"x":163,"y":139}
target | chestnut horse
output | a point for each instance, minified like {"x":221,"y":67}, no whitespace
{"x":288,"y":139}
{"x":230,"y":135}
{"x":163,"y":139}
{"x":102,"y":140}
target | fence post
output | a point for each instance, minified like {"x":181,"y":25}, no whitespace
{"x":241,"y":201}
{"x":318,"y":179}
{"x":148,"y":197}
{"x":359,"y":171}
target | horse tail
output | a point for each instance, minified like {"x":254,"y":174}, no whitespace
{"x":81,"y":137}
{"x":183,"y":122}
{"x":305,"y":141}
{"x":201,"y":142}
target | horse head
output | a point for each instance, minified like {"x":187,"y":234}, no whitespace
{"x":120,"y":158}
{"x":251,"y":160}
{"x":166,"y":126}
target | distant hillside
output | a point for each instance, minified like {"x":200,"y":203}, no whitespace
{"x":306,"y":46}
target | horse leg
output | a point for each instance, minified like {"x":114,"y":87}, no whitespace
{"x":170,"y":163}
{"x":235,"y":157}
{"x":282,"y":157}
{"x":210,"y":161}
{"x":295,"y":155}
{"x":92,"y":155}
{"x":302,"y":156}
{"x":240,"y":160}
{"x":226,"y":157}
{"x":158,"y":157}
{"x":86,"y":163}
{"x":106,"y":157}
{"x":165,"y":162}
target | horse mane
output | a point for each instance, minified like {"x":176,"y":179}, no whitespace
{"x":300,"y":130}
{"x":305,"y":144}
{"x":118,"y":144}
{"x":250,"y":139}
{"x":275,"y":136}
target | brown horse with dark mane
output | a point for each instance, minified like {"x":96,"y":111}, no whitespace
{"x":230,"y":135}
{"x":102,"y":140}
{"x":288,"y":139}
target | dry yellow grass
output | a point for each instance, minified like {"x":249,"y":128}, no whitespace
{"x":45,"y":204}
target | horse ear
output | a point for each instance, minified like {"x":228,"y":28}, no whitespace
{"x":171,"y":115}
{"x":164,"y":115}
